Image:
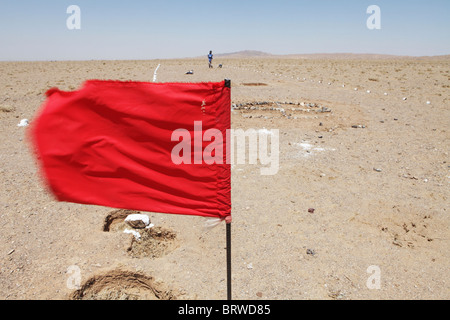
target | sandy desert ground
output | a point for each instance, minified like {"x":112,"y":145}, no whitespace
{"x":375,"y":169}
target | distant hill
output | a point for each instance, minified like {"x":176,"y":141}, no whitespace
{"x":331,"y":56}
{"x":443,"y":57}
{"x":344,"y":56}
{"x":361,"y":56}
{"x":244,"y":54}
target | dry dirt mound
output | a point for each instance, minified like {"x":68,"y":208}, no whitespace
{"x":154,"y":243}
{"x":115,"y":219}
{"x":122,"y":285}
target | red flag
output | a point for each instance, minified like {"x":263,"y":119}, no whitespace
{"x":112,"y":143}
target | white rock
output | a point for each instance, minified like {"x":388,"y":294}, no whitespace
{"x":23,"y":123}
{"x":138,"y":221}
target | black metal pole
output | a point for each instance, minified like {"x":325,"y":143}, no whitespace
{"x":228,"y":261}
{"x":228,"y":224}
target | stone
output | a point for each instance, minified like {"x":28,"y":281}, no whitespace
{"x":137,"y":221}
{"x":23,"y":123}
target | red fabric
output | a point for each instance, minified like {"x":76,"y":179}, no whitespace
{"x":109,"y":144}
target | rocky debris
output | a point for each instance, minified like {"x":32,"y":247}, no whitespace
{"x":408,"y":176}
{"x":282,"y":107}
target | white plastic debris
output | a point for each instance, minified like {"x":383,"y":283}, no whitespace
{"x":211,"y":223}
{"x":23,"y":123}
{"x":136,"y":234}
{"x":404,"y":99}
{"x":139,"y":220}
{"x":428,"y":102}
{"x":143,"y":217}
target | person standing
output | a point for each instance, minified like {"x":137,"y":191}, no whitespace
{"x":210,"y":58}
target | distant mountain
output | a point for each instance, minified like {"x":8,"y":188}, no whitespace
{"x":357,"y":56}
{"x":244,"y":54}
{"x":442,"y":57}
{"x":344,"y":56}
{"x":334,"y":56}
{"x":331,"y":56}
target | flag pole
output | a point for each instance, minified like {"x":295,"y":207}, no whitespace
{"x":228,"y":231}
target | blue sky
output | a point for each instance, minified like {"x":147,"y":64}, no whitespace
{"x":36,"y":30}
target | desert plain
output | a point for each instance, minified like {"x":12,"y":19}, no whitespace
{"x":358,"y":208}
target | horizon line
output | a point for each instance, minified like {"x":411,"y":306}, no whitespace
{"x":256,"y":54}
